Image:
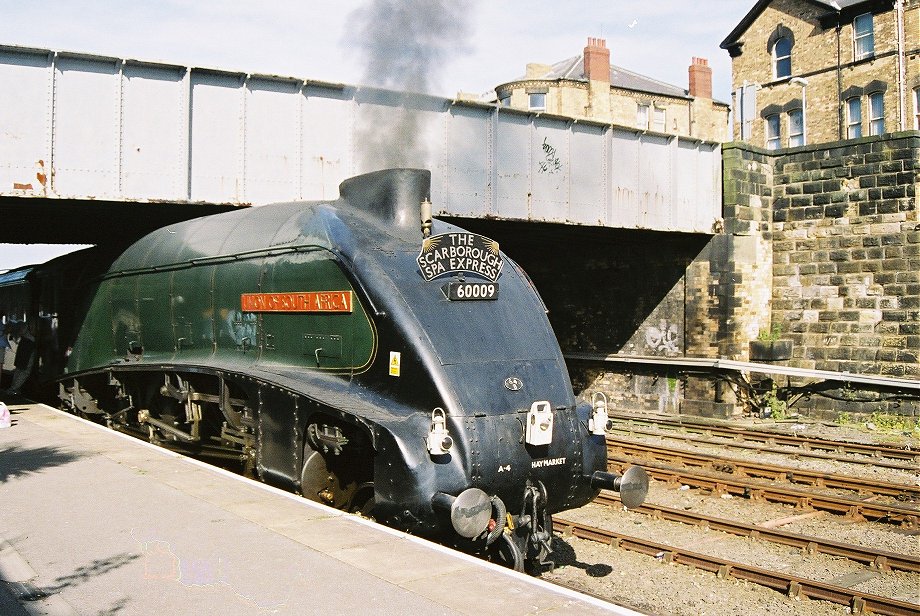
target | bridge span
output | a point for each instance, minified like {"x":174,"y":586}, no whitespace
{"x":93,"y":144}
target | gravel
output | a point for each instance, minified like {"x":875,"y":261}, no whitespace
{"x":657,"y":587}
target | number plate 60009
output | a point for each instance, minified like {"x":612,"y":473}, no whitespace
{"x":465,"y":291}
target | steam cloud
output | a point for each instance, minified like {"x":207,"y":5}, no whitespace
{"x":404,"y":45}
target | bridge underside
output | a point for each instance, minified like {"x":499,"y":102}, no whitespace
{"x":81,"y":221}
{"x":604,"y":288}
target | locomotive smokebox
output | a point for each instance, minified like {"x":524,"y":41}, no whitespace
{"x":632,"y":485}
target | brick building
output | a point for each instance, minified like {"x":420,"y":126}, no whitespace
{"x":815,"y":71}
{"x":587,"y":86}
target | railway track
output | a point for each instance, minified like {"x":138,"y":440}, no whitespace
{"x":877,"y":559}
{"x":795,"y":452}
{"x":853,"y":509}
{"x":774,"y":438}
{"x":772,"y":472}
{"x":792,"y":585}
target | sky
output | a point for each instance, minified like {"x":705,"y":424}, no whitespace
{"x":469,"y":45}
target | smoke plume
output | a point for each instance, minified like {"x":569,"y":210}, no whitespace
{"x":404,"y":45}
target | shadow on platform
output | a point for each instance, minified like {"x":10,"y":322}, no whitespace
{"x":17,"y":462}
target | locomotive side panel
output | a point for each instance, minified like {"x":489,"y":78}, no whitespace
{"x":237,"y":331}
{"x":311,"y":316}
{"x":193,"y":314}
{"x":124,"y":318}
{"x":278,"y":458}
{"x":154,"y":313}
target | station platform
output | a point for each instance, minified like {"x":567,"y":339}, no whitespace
{"x":95,"y":522}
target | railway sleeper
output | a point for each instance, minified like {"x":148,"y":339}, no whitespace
{"x":854,"y":514}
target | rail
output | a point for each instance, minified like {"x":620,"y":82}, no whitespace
{"x":879,"y":559}
{"x":725,"y":443}
{"x":794,"y":586}
{"x":852,"y":508}
{"x":764,"y":436}
{"x":773,"y":472}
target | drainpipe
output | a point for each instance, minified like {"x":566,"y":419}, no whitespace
{"x":839,"y":87}
{"x":902,"y":78}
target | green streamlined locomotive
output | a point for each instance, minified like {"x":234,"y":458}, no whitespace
{"x":350,"y":355}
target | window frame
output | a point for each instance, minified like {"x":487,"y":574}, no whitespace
{"x":854,"y":129}
{"x":795,"y":139}
{"x":643,"y":116}
{"x":876,"y":122}
{"x":786,"y":59}
{"x":659,"y":112}
{"x":861,"y":38}
{"x":916,"y":108}
{"x":773,"y":141}
{"x":530,"y":101}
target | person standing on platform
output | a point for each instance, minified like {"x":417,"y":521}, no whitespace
{"x":4,"y":343}
{"x":25,"y":358}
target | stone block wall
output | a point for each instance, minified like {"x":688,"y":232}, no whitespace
{"x":845,"y":245}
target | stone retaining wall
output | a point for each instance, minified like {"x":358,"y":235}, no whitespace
{"x":841,"y":221}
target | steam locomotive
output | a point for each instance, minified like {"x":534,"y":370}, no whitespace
{"x":355,"y":351}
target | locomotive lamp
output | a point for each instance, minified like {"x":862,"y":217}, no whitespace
{"x":539,"y":430}
{"x":438,"y":440}
{"x":425,"y":214}
{"x":597,"y":423}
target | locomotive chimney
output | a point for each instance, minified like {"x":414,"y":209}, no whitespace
{"x":700,"y":78}
{"x":392,"y":195}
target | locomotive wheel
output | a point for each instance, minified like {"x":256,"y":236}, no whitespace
{"x":316,"y":482}
{"x":506,"y":552}
{"x":322,"y":482}
{"x":363,"y":501}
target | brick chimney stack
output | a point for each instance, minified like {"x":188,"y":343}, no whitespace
{"x":700,"y":78}
{"x":597,"y":60}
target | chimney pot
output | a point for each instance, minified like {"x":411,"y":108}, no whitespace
{"x":700,"y":75}
{"x":597,"y":60}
